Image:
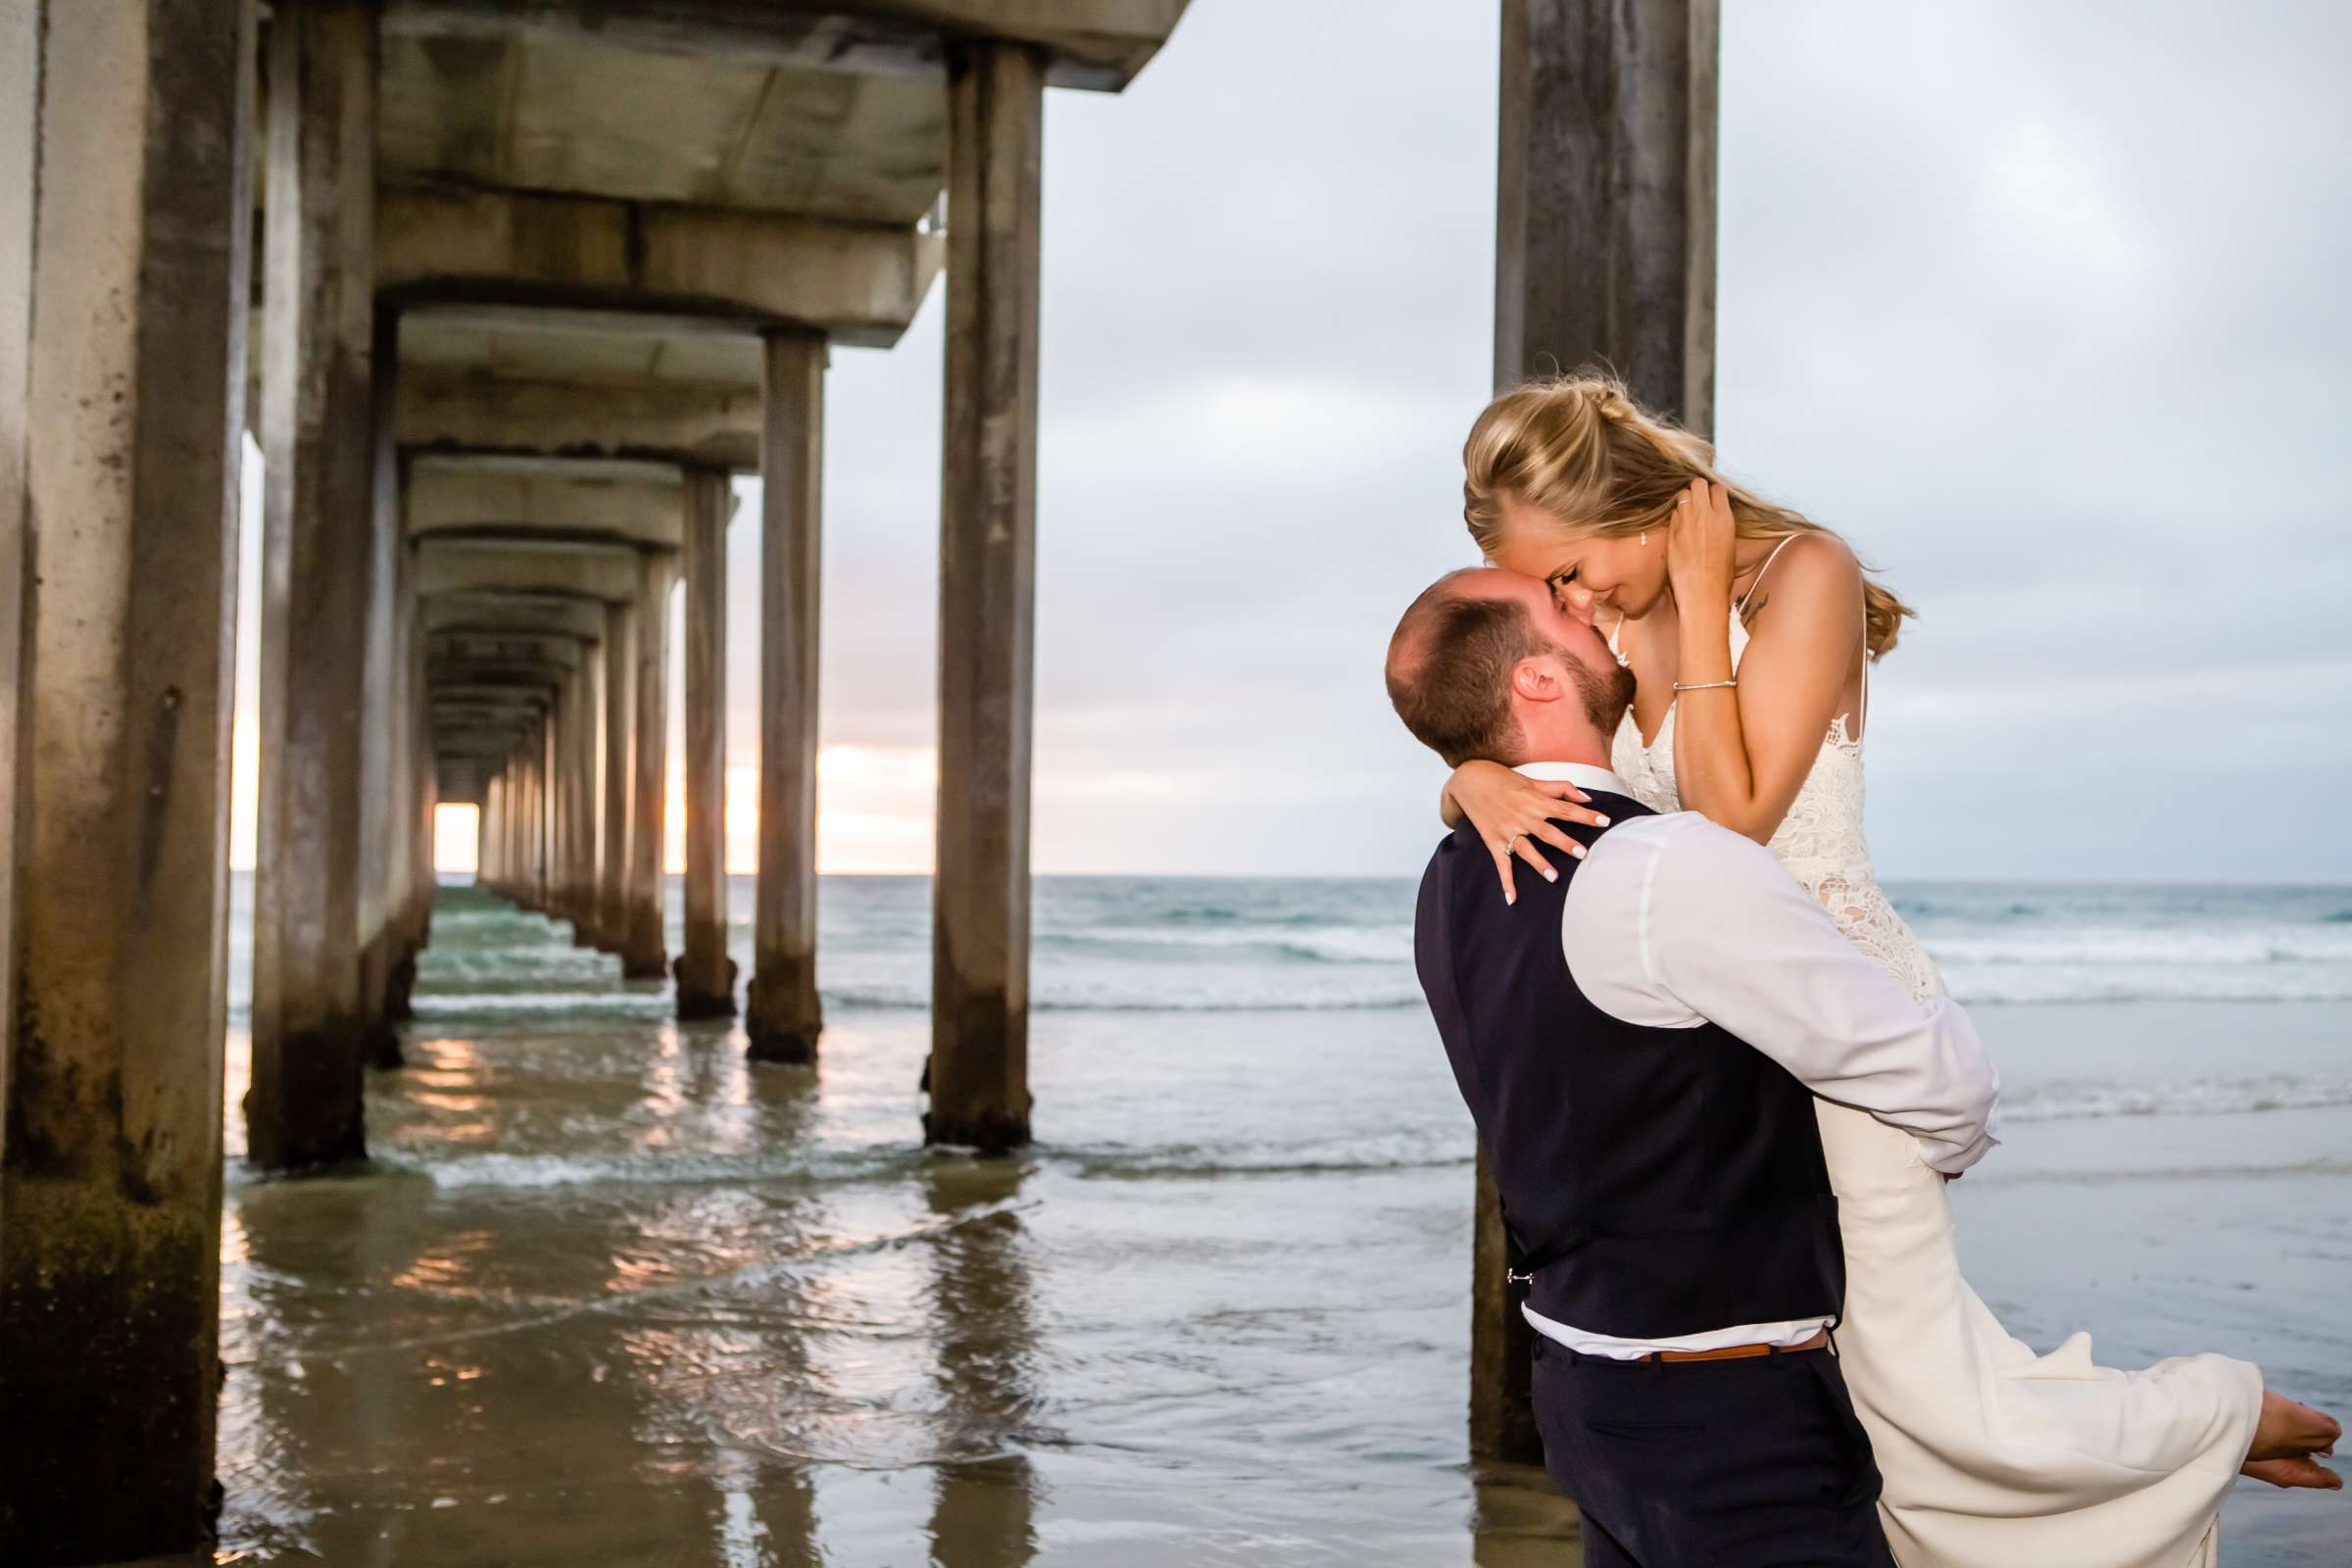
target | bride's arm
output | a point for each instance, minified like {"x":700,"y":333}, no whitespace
{"x":1742,"y":752}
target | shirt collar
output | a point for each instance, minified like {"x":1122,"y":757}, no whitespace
{"x":1584,"y":776}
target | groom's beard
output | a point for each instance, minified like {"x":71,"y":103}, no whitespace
{"x":1608,"y":693}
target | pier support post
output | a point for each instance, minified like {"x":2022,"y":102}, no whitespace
{"x":383,"y":777}
{"x":706,"y":975}
{"x":784,"y":1018}
{"x":620,"y":705}
{"x":319,"y":434}
{"x":979,"y":1071}
{"x":645,"y":957}
{"x":1605,"y":251}
{"x":20,"y":25}
{"x":122,"y":410}
{"x":587,"y":764}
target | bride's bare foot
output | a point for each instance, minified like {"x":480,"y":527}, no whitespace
{"x":2286,"y":1440}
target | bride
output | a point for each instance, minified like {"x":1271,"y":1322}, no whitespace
{"x":1990,"y":1454}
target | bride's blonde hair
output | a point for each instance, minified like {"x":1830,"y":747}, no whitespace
{"x":1579,"y":449}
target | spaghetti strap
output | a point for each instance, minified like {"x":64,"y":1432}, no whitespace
{"x":1862,"y":707}
{"x":1742,"y":607}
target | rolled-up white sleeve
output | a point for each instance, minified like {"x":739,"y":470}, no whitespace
{"x":1728,"y":933}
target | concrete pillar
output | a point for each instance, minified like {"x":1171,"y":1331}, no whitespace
{"x":559,"y":801}
{"x":546,"y":763}
{"x":424,"y":775}
{"x":586,"y":763}
{"x":383,"y":777}
{"x":20,"y":134}
{"x":1605,"y":251}
{"x":644,"y":958}
{"x":979,"y":1073}
{"x":485,"y":834}
{"x":126,"y":407}
{"x":319,"y":433}
{"x":783,"y":1018}
{"x":621,"y":714}
{"x":1605,"y":196}
{"x":706,"y":975}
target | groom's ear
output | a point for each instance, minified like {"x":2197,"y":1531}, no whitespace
{"x":1535,"y":680}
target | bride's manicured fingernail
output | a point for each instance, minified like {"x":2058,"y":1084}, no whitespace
{"x":1578,"y":851}
{"x":1600,"y":821}
{"x":1549,"y":875}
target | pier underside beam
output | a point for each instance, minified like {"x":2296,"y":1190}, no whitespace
{"x":1092,"y":44}
{"x":860,"y":284}
{"x":320,"y":438}
{"x":783,"y":1016}
{"x":706,"y":975}
{"x":979,"y":1072}
{"x":474,"y":412}
{"x":545,"y":498}
{"x":122,"y":392}
{"x":1604,"y":252}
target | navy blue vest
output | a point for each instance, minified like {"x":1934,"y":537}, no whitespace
{"x":1657,"y":1182}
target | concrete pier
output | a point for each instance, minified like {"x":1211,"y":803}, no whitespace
{"x":520,"y":322}
{"x":1604,"y":252}
{"x":120,"y":418}
{"x":706,"y":975}
{"x":784,"y":1015}
{"x":979,"y":1076}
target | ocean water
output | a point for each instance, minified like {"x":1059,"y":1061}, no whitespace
{"x":611,"y":1293}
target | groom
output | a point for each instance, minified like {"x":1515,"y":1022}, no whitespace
{"x":1639,"y":1042}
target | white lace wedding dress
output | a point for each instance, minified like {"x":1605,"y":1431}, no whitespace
{"x":1994,"y":1457}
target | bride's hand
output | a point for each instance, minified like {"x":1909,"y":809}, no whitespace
{"x":1699,"y":546}
{"x":1511,"y":811}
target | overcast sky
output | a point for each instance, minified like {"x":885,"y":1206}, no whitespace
{"x":2041,"y":306}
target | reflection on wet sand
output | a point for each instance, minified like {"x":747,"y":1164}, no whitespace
{"x":983,"y":1512}
{"x":614,"y":1295}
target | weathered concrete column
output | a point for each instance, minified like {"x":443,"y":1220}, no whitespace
{"x":1605,"y":251}
{"x":979,"y":1073}
{"x":20,"y":134}
{"x":706,"y":975}
{"x":783,"y":1018}
{"x":621,"y":714}
{"x":558,"y":796}
{"x":1605,"y":196}
{"x":547,"y":763}
{"x":319,"y":434}
{"x":645,"y":957}
{"x":586,"y":765}
{"x":383,"y":774}
{"x":485,"y":836}
{"x":125,"y":405}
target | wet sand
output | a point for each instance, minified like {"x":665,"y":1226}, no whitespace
{"x":615,"y":1295}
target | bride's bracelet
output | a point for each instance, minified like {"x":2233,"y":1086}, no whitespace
{"x":1707,"y":685}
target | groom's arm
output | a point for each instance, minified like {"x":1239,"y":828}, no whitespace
{"x":1724,"y":933}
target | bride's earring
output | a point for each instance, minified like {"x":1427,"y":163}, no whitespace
{"x":1645,"y":536}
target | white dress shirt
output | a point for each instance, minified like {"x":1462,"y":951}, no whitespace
{"x":1673,"y":922}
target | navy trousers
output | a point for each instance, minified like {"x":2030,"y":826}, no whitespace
{"x":1750,"y":1463}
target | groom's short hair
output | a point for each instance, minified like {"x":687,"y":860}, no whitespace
{"x":1450,"y":668}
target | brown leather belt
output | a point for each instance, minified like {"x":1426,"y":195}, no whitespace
{"x":1736,"y":1353}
